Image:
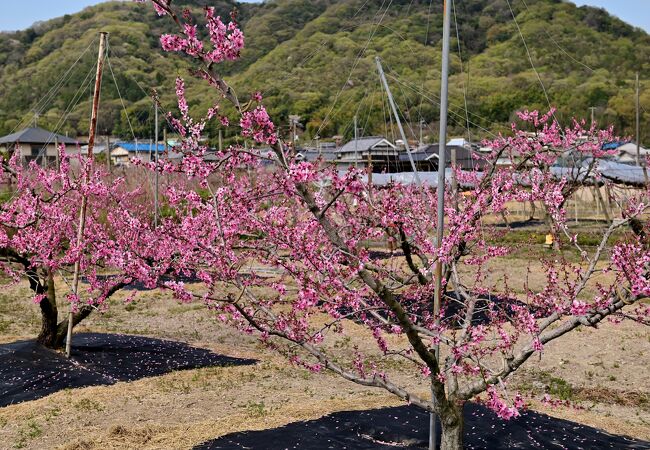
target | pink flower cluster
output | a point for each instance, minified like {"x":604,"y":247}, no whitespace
{"x":227,"y":40}
{"x":500,"y":407}
{"x":258,"y":125}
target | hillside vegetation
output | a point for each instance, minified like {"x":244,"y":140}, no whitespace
{"x":315,"y":58}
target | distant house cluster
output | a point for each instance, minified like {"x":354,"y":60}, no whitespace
{"x":40,"y":145}
{"x":387,"y":157}
{"x":379,"y":153}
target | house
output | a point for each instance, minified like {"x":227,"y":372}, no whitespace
{"x":376,"y":150}
{"x":460,"y":142}
{"x":123,"y":152}
{"x":36,"y":144}
{"x":327,"y":151}
{"x":382,"y":154}
{"x":627,"y":153}
{"x":466,"y":157}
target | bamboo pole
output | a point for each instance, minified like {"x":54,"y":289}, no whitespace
{"x":103,"y":37}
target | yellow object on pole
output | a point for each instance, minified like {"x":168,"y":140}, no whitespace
{"x":549,"y":240}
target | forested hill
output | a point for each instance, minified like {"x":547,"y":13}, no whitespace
{"x":315,"y":58}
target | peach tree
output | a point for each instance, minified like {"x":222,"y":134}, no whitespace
{"x":313,"y":228}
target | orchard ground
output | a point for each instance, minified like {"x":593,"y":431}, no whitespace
{"x":607,"y":384}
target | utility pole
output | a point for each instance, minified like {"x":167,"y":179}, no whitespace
{"x":421,"y":124}
{"x":108,"y":152}
{"x":294,"y":120}
{"x":592,"y":108}
{"x":369,"y":162}
{"x":56,"y":147}
{"x":103,"y":38}
{"x":157,"y":181}
{"x":638,"y":130}
{"x":442,"y":144}
{"x":220,"y":141}
{"x":356,"y":141}
{"x":295,"y":134}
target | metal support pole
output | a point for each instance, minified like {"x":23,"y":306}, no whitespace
{"x":103,"y":37}
{"x":442,"y":144}
{"x":356,"y":141}
{"x":638,"y":121}
{"x":454,"y":180}
{"x":157,"y":177}
{"x":399,"y":123}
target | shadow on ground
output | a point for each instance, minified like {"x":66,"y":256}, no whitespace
{"x":29,"y":371}
{"x":407,"y":427}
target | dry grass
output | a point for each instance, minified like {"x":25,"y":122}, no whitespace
{"x":182,"y":409}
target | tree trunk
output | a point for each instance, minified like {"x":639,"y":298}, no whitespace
{"x":62,"y":328}
{"x":53,"y":333}
{"x":451,"y":419}
{"x":49,"y":315}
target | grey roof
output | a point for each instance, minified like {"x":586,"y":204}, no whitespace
{"x":406,"y":178}
{"x":98,"y":149}
{"x":36,"y":136}
{"x":419,"y":154}
{"x":363,"y":144}
{"x":312,"y":155}
{"x":464,"y":156}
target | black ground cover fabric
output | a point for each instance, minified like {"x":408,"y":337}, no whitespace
{"x":454,"y":309}
{"x":29,"y":371}
{"x":140,"y":286}
{"x":407,"y":427}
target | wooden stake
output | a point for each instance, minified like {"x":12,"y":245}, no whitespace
{"x":103,"y":36}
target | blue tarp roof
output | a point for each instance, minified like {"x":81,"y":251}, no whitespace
{"x":140,"y":147}
{"x":613,"y":145}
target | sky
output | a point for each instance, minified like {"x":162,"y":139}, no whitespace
{"x":18,"y":15}
{"x":635,"y":12}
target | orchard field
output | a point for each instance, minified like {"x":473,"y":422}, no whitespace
{"x":247,"y":287}
{"x":606,"y":387}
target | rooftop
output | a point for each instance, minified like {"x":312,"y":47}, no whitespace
{"x":365,"y":143}
{"x":36,"y":135}
{"x":140,"y":147}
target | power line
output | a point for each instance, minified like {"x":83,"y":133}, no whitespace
{"x":126,"y":113}
{"x":73,"y":104}
{"x":416,"y":89}
{"x":355,"y":64}
{"x":53,"y":91}
{"x":558,"y":45}
{"x":530,"y":58}
{"x":462,"y":75}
